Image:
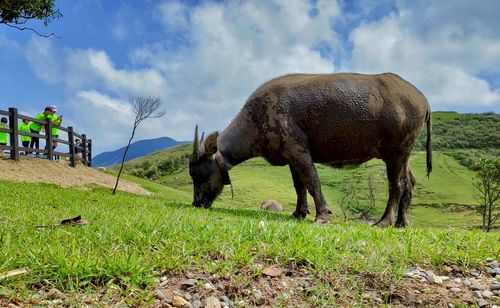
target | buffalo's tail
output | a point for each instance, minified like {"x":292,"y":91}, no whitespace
{"x":428,"y":145}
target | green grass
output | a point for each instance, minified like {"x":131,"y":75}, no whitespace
{"x":131,"y":241}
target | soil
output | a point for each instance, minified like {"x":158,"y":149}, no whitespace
{"x":59,"y":172}
{"x":291,"y":288}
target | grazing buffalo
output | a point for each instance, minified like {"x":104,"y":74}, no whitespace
{"x":334,"y":119}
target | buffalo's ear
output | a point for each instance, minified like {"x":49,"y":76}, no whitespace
{"x":211,"y":144}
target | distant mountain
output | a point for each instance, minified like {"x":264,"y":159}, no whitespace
{"x":137,"y":149}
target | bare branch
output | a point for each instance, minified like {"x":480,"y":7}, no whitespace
{"x":31,"y":29}
{"x":143,"y":108}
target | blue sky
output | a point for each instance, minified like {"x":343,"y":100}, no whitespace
{"x":204,"y":58}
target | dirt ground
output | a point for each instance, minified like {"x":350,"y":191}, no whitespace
{"x":60,"y":173}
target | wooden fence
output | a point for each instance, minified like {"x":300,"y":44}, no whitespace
{"x":84,"y":148}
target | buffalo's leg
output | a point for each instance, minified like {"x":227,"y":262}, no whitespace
{"x":404,"y":205}
{"x":301,"y":210}
{"x":395,"y":175}
{"x":302,"y":162}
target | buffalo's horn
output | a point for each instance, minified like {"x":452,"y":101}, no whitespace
{"x":202,"y":135}
{"x":196,"y":146}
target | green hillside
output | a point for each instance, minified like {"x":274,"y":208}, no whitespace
{"x":446,"y":198}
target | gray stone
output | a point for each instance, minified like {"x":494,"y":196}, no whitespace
{"x":195,"y":297}
{"x":495,"y":271}
{"x":489,"y":259}
{"x":188,"y":297}
{"x":188,"y":283}
{"x":160,"y":294}
{"x":208,"y":286}
{"x":450,"y":305}
{"x":272,"y":205}
{"x":481,"y":302}
{"x":455,"y":290}
{"x":224,"y":299}
{"x":495,"y":286}
{"x":476,"y":287}
{"x":477,"y":294}
{"x":196,"y":304}
{"x":475,"y":274}
{"x":457,"y":280}
{"x":487,"y":294}
{"x":219,"y":286}
{"x":496,"y":292}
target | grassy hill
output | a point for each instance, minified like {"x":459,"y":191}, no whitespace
{"x":136,"y":249}
{"x":445,"y":199}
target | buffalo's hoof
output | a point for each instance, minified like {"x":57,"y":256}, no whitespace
{"x":299,"y":215}
{"x":322,"y":220}
{"x":383,"y":223}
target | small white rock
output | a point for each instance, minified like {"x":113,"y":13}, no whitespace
{"x":487,"y":294}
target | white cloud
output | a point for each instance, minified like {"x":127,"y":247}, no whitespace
{"x":233,"y":48}
{"x":79,"y":68}
{"x":443,"y":57}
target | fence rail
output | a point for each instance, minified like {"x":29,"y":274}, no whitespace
{"x":77,"y":151}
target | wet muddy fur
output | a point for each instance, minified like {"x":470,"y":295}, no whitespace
{"x":334,"y":119}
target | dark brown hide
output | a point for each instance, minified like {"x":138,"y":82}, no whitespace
{"x":335,"y":119}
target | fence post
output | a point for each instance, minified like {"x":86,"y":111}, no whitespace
{"x":72,"y":160}
{"x":14,"y":136}
{"x":48,"y":141}
{"x":84,"y":144}
{"x":90,"y":153}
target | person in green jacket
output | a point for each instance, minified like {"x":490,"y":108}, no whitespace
{"x":37,"y":127}
{"x":25,"y":140}
{"x":55,"y":121}
{"x":3,"y":136}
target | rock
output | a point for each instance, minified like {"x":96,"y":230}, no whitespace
{"x":455,"y":290}
{"x":188,"y":297}
{"x":450,"y":305}
{"x":272,"y":205}
{"x":457,"y":280}
{"x":495,"y":286}
{"x":495,"y":271}
{"x":433,"y":278}
{"x":54,"y":294}
{"x":180,"y":302}
{"x":196,"y":304}
{"x":102,"y":169}
{"x":477,"y":294}
{"x":212,"y":302}
{"x":475,"y":274}
{"x":273,"y":271}
{"x":225,"y":299}
{"x":476,"y":287}
{"x":208,"y":286}
{"x":163,"y":278}
{"x":160,"y":294}
{"x":481,"y":302}
{"x":219,"y":286}
{"x":163,"y":283}
{"x":195,"y":297}
{"x":487,"y":294}
{"x":188,"y":283}
{"x":489,"y":259}
{"x":496,"y":292}
{"x":467,"y":282}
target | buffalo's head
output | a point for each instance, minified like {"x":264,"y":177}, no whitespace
{"x":207,"y":170}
